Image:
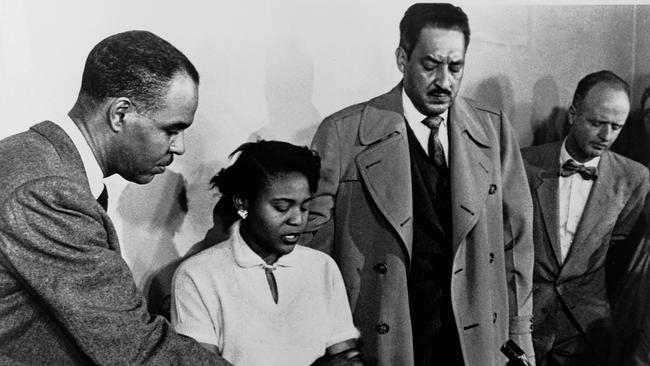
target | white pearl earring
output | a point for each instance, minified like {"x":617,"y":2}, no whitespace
{"x":242,"y":213}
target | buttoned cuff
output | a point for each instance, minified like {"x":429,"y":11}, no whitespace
{"x":521,"y":324}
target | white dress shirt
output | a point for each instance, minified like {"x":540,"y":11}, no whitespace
{"x":574,"y":192}
{"x":414,"y":118}
{"x":94,"y":172}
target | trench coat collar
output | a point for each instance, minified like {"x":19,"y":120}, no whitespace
{"x":383,"y":116}
{"x":465,"y":119}
{"x":385,"y":166}
{"x":470,"y":168}
{"x":376,"y":124}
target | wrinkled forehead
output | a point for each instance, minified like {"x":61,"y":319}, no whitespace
{"x":179,"y":103}
{"x":607,"y":98}
{"x":433,"y":40}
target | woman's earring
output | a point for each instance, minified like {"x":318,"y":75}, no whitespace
{"x":242,"y":213}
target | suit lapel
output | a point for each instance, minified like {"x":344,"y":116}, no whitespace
{"x":470,"y":168}
{"x":385,"y":166}
{"x":70,"y":156}
{"x":547,"y":191}
{"x":601,"y":196}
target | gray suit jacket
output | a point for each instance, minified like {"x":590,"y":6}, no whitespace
{"x":612,"y":210}
{"x":66,"y":295}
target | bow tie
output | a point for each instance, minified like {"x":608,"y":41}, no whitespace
{"x":570,"y":167}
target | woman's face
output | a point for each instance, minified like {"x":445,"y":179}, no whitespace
{"x":277,"y":216}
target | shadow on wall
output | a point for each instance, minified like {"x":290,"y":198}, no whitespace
{"x":289,"y":88}
{"x":158,"y":289}
{"x":497,"y":92}
{"x":633,"y":141}
{"x":152,"y":215}
{"x":548,"y":120}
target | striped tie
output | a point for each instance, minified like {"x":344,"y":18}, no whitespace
{"x":436,"y":151}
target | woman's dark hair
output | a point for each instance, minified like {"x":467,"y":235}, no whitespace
{"x":259,"y":162}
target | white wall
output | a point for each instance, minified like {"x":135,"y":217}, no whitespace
{"x":276,"y":68}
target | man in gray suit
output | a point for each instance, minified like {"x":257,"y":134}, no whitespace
{"x":66,"y":295}
{"x":586,"y":199}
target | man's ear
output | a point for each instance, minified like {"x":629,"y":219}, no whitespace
{"x":117,"y":111}
{"x":401,"y":59}
{"x":573,"y":114}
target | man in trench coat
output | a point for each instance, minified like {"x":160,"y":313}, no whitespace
{"x":436,"y":254}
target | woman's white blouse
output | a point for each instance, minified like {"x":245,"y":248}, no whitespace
{"x":221,"y":296}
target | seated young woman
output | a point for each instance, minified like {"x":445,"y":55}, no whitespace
{"x":258,"y":298}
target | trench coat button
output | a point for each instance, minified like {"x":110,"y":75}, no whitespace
{"x":382,"y":328}
{"x":380,"y":268}
{"x":493,"y":189}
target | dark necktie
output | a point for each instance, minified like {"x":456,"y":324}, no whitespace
{"x":436,"y":151}
{"x":103,"y":199}
{"x":570,"y":167}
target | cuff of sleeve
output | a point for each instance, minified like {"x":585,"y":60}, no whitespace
{"x":521,"y":324}
{"x":343,"y":336}
{"x":201,"y":337}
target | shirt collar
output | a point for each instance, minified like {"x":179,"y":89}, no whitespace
{"x":564,"y":156}
{"x":245,"y":257}
{"x":94,"y":172}
{"x":414,"y":116}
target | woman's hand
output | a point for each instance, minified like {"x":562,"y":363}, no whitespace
{"x":350,"y":357}
{"x":344,"y":353}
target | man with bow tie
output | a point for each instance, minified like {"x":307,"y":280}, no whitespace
{"x":424,"y":205}
{"x":586,"y":200}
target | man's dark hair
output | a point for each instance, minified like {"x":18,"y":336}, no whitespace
{"x":134,"y":64}
{"x":600,"y":77}
{"x":259,"y":163}
{"x":419,"y":16}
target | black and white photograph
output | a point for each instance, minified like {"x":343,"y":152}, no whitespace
{"x":325,"y":183}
